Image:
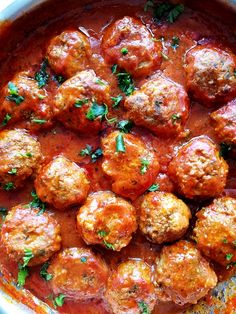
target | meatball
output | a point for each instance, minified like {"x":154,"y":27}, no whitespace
{"x":130,"y":288}
{"x":182,"y":275}
{"x":107,"y":220}
{"x":163,"y":217}
{"x":211,"y":74}
{"x":62,"y":183}
{"x":224,"y":122}
{"x":24,"y":102}
{"x":20,"y":156}
{"x":25,"y":228}
{"x":80,"y":102}
{"x":129,"y":44}
{"x":160,"y":105}
{"x":79,"y":274}
{"x":215,"y":231}
{"x":198,"y":170}
{"x":132,"y":170}
{"x":69,"y":53}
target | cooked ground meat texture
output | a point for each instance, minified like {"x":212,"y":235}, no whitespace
{"x":107,"y":220}
{"x":130,"y":288}
{"x":25,"y":228}
{"x":80,"y":102}
{"x":69,"y":53}
{"x":133,"y":171}
{"x":160,"y":105}
{"x":198,"y":170}
{"x":128,"y":43}
{"x":211,"y":74}
{"x":163,"y":217}
{"x":215,"y":231}
{"x":62,"y":183}
{"x":79,"y":274}
{"x":224,"y":122}
{"x":23,"y":101}
{"x":182,"y":274}
{"x":20,"y":157}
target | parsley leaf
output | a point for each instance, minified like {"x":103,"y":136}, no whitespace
{"x":143,"y":308}
{"x":175,"y":118}
{"x":96,"y":110}
{"x":96,"y":154}
{"x":144,"y":165}
{"x":229,"y":257}
{"x":83,"y":259}
{"x":6,"y":119}
{"x":39,"y":121}
{"x":225,"y":150}
{"x":44,"y":272}
{"x":3,"y":212}
{"x":23,"y":273}
{"x":124,"y":51}
{"x":59,"y":300}
{"x":86,"y":151}
{"x":9,"y":186}
{"x":120,"y":145}
{"x":116,"y":101}
{"x":125,"y":126}
{"x":165,"y":11}
{"x":37,"y":203}
{"x":13,"y":171}
{"x":154,"y":187}
{"x":175,"y":42}
{"x":102,"y":233}
{"x":108,"y":245}
{"x":58,"y":79}
{"x":14,"y":94}
{"x":80,"y":102}
{"x":125,"y":82}
{"x":114,"y":68}
{"x":42,"y":76}
{"x":175,"y":13}
{"x":27,"y":257}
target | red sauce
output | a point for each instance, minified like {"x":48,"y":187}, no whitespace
{"x":23,"y":47}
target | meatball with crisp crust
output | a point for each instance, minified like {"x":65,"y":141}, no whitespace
{"x":25,"y":228}
{"x":78,"y":274}
{"x":160,"y":105}
{"x":107,"y":220}
{"x":182,"y":274}
{"x":129,"y":44}
{"x":130,"y":288}
{"x":20,"y":157}
{"x":69,"y":53}
{"x":80,"y":102}
{"x":211,"y":74}
{"x":224,"y":122}
{"x":163,"y":217}
{"x":22,"y":101}
{"x":198,"y":170}
{"x":62,"y":183}
{"x":132,"y":170}
{"x":215,"y":231}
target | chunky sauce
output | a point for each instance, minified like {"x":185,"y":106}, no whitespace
{"x":93,"y":18}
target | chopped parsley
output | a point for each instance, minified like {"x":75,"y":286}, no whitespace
{"x":109,"y":245}
{"x":228,"y":257}
{"x":3,"y":212}
{"x":143,"y":308}
{"x":124,"y":51}
{"x":125,"y":81}
{"x":225,"y":149}
{"x":125,"y":126}
{"x":175,"y":42}
{"x":96,"y":111}
{"x":6,"y":119}
{"x":39,"y":121}
{"x":27,"y":257}
{"x":44,"y":272}
{"x":14,"y":94}
{"x":102,"y":233}
{"x":42,"y":76}
{"x":37,"y":203}
{"x":27,"y":155}
{"x":176,"y":117}
{"x":154,"y":187}
{"x":96,"y":154}
{"x":13,"y":171}
{"x":116,"y":101}
{"x":80,"y":102}
{"x":83,"y":259}
{"x":59,"y":300}
{"x":9,"y":186}
{"x":23,"y":271}
{"x":144,"y":165}
{"x":233,"y":264}
{"x":59,"y":79}
{"x":114,"y":68}
{"x":120,"y":145}
{"x":100,"y":82}
{"x":225,"y":241}
{"x":165,"y":11}
{"x":87,"y":151}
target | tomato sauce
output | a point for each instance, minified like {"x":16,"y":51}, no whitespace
{"x":23,"y":46}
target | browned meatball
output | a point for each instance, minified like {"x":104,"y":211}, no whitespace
{"x":80,"y":102}
{"x":211,"y":74}
{"x":24,"y":102}
{"x":198,"y":170}
{"x":160,"y":105}
{"x":132,"y":170}
{"x":62,"y":183}
{"x":129,"y":44}
{"x":25,"y":229}
{"x":182,"y":275}
{"x":130,"y":288}
{"x":69,"y":53}
{"x":224,"y":122}
{"x":163,"y":217}
{"x":79,"y":274}
{"x":107,"y":220}
{"x":20,"y":156}
{"x":215,"y":231}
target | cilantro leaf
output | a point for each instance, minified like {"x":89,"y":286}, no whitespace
{"x":87,"y":151}
{"x":6,"y":119}
{"x":37,"y":203}
{"x":125,"y":126}
{"x":229,"y":257}
{"x":44,"y":272}
{"x":42,"y":76}
{"x":14,"y":94}
{"x":59,"y":300}
{"x":102,"y":233}
{"x":143,"y":308}
{"x":124,"y":51}
{"x":116,"y":101}
{"x":23,"y":273}
{"x":176,"y":117}
{"x":175,"y":13}
{"x":13,"y":171}
{"x":166,"y":11}
{"x":3,"y":212}
{"x":59,"y":79}
{"x":39,"y":121}
{"x":144,"y":165}
{"x":175,"y":42}
{"x":96,"y":154}
{"x":125,"y":82}
{"x":80,"y":102}
{"x":154,"y":187}
{"x":27,"y":257}
{"x":96,"y":111}
{"x":9,"y":186}
{"x":120,"y":145}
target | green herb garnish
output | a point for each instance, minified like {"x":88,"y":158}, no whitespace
{"x":100,"y":82}
{"x":125,"y":82}
{"x":165,"y":11}
{"x":42,"y":76}
{"x":44,"y":272}
{"x":59,"y":79}
{"x":116,"y":101}
{"x":96,"y":154}
{"x":23,"y":273}
{"x":144,"y":165}
{"x":175,"y":42}
{"x":229,"y":257}
{"x":175,"y":118}
{"x":125,"y":126}
{"x":6,"y":119}
{"x":27,"y":257}
{"x":102,"y":233}
{"x":154,"y":187}
{"x":124,"y":51}
{"x":87,"y":151}
{"x":14,"y":94}
{"x":96,"y":111}
{"x":83,"y":259}
{"x":39,"y":121}
{"x":37,"y":203}
{"x":80,"y":102}
{"x":13,"y":171}
{"x":3,"y":212}
{"x":143,"y":308}
{"x":120,"y":145}
{"x":59,"y":300}
{"x":9,"y":186}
